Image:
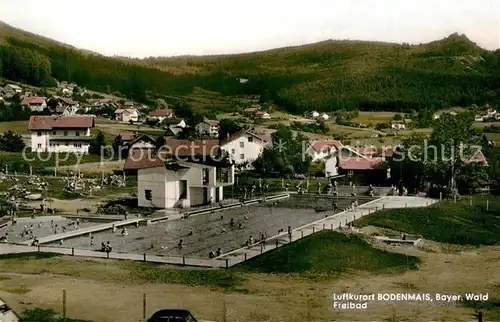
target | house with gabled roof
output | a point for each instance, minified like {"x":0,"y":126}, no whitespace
{"x":319,"y":150}
{"x":161,"y":114}
{"x":244,"y":146}
{"x":183,"y":174}
{"x":35,"y":104}
{"x":209,"y":128}
{"x":127,"y":115}
{"x":61,"y":134}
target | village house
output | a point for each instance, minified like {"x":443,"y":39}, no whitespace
{"x":185,"y":174}
{"x":36,"y":104}
{"x":143,"y":142}
{"x":398,"y":125}
{"x":10,"y":90}
{"x":172,"y":131}
{"x":63,"y":105}
{"x":347,"y":162}
{"x":60,"y":133}
{"x":311,"y":114}
{"x":243,"y":147}
{"x":323,"y":117}
{"x":262,"y":115}
{"x":209,"y":128}
{"x":160,"y":115}
{"x":127,"y":115}
{"x":250,"y":111}
{"x":319,"y":150}
{"x":99,"y":102}
{"x":174,"y":123}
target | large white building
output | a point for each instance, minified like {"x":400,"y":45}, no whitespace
{"x":61,"y":133}
{"x":181,"y":178}
{"x":244,"y":146}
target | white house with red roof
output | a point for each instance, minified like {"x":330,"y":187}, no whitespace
{"x":209,"y":128}
{"x":347,"y":159}
{"x":36,"y":103}
{"x":161,"y":114}
{"x":126,"y":115}
{"x":319,"y":150}
{"x":244,"y":146}
{"x":61,"y":134}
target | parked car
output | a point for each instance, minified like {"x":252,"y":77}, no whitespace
{"x":174,"y":315}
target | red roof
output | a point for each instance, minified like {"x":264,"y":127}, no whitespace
{"x":353,"y":163}
{"x":143,"y":159}
{"x":161,"y":113}
{"x":239,"y":134}
{"x":127,"y":136}
{"x":33,"y":100}
{"x":320,"y":146}
{"x":61,"y":122}
{"x":123,"y":110}
{"x":367,"y":151}
{"x":477,"y":157}
{"x":99,"y":100}
{"x":185,"y":148}
{"x":212,"y":123}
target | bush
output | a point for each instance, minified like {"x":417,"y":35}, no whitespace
{"x":45,"y":315}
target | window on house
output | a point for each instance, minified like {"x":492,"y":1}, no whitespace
{"x":53,"y":132}
{"x":232,"y":151}
{"x":250,"y":139}
{"x":39,"y":145}
{"x":242,"y":156}
{"x":147,"y":194}
{"x":77,"y":133}
{"x":65,"y":133}
{"x":204,"y":176}
{"x":242,"y":144}
{"x":39,"y":133}
{"x":66,"y":144}
{"x":57,"y":144}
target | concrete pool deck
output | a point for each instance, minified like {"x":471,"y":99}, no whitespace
{"x":234,"y":257}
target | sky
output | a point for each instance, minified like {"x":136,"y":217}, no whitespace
{"x":199,"y":27}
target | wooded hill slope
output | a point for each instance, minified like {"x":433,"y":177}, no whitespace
{"x":325,"y":76}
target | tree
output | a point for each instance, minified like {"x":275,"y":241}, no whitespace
{"x":447,"y":158}
{"x":287,"y":155}
{"x":186,"y":112}
{"x":11,"y":142}
{"x":98,"y":144}
{"x":118,"y":146}
{"x":397,"y":117}
{"x":228,"y":127}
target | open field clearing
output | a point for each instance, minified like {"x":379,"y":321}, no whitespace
{"x":248,"y":296}
{"x":374,"y":117}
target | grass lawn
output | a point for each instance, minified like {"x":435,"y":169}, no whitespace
{"x":374,"y":117}
{"x":445,"y":221}
{"x":128,"y":272}
{"x":19,"y":127}
{"x":15,"y":161}
{"x":328,"y":253}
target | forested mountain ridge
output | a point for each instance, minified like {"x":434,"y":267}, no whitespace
{"x":325,"y":76}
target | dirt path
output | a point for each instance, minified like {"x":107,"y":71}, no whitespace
{"x":267,"y":297}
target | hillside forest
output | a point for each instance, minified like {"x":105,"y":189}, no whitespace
{"x":326,"y":76}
